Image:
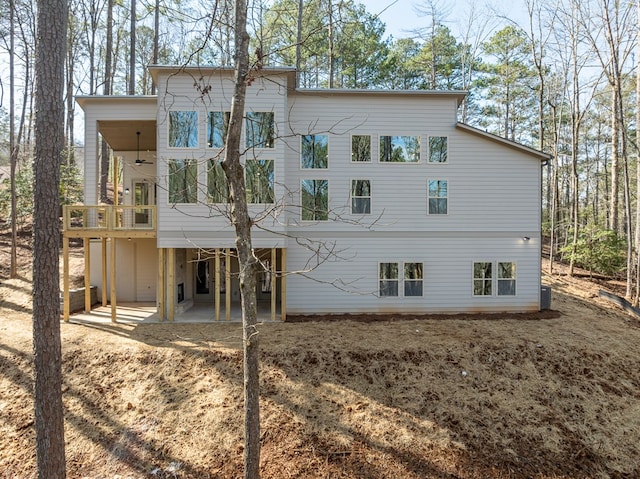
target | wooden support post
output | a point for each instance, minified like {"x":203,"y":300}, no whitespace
{"x":171,"y":274}
{"x":116,"y":180}
{"x":65,"y":279}
{"x":113,"y":281}
{"x":227,"y":284}
{"x":283,"y":284}
{"x":272,"y":281}
{"x":216,"y":278}
{"x":87,"y":274}
{"x":161,"y":289}
{"x":104,"y":272}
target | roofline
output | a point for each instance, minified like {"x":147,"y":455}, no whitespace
{"x":498,"y":139}
{"x":459,"y":95}
{"x":83,"y":100}
{"x":154,"y":70}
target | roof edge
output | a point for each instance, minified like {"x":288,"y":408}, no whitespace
{"x":512,"y":144}
{"x":82,"y":100}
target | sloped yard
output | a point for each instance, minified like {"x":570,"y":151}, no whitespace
{"x":550,"y":395}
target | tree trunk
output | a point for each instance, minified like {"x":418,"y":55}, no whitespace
{"x":108,"y":57}
{"x":156,"y":39}
{"x":13,"y":152}
{"x":49,"y":145}
{"x":636,"y":299}
{"x":132,"y":50}
{"x":247,"y":262}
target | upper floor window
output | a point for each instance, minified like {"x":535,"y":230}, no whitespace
{"x":183,"y":181}
{"x":438,"y":197}
{"x":217,"y":126}
{"x":315,"y":200}
{"x":361,"y":148}
{"x":400,"y":149}
{"x":259,"y":181}
{"x":260,"y":129}
{"x":217,"y":188}
{"x":482,"y":279}
{"x":506,"y":279}
{"x":360,"y":197}
{"x":183,"y":129}
{"x":314,"y":151}
{"x":438,"y":149}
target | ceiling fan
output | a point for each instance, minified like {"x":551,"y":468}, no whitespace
{"x":138,"y":160}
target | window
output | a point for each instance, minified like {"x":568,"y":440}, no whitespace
{"x":183,"y":181}
{"x":361,"y":148}
{"x":217,"y":188}
{"x":260,"y":129}
{"x":413,"y":279}
{"x":315,"y":200}
{"x":388,"y":279}
{"x":437,"y":149}
{"x":482,"y":279}
{"x":217,"y":126}
{"x":183,"y":129}
{"x":437,"y":193}
{"x":259,"y":181}
{"x":506,"y":279}
{"x":400,"y":149}
{"x":315,"y":151}
{"x":360,"y":197}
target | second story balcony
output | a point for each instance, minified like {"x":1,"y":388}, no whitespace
{"x":88,"y":221}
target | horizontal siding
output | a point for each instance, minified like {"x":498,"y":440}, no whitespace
{"x":350,"y":278}
{"x":177,"y":223}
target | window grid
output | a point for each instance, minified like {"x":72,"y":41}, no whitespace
{"x":360,"y":197}
{"x":183,"y":181}
{"x":183,"y":129}
{"x":391,"y":274}
{"x":315,"y":200}
{"x":314,"y":152}
{"x":399,"y":149}
{"x":361,"y":148}
{"x":438,"y":149}
{"x":437,"y":197}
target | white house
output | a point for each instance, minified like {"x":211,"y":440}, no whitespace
{"x":365,"y":201}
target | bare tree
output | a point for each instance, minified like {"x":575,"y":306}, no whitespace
{"x":49,"y":146}
{"x":247,"y":261}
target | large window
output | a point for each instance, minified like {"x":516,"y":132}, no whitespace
{"x":361,"y":148}
{"x":437,"y":149}
{"x":183,"y":181}
{"x":438,"y":197}
{"x":315,"y":200}
{"x":259,"y":181}
{"x":388,"y":279}
{"x":413,"y":279}
{"x":482,"y":279}
{"x":400,"y":149}
{"x":217,"y":189}
{"x":217,"y":126}
{"x":183,"y":129}
{"x":314,"y":151}
{"x":360,"y":197}
{"x":506,"y":279}
{"x":260,"y":129}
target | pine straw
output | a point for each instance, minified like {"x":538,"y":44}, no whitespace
{"x":553,"y":396}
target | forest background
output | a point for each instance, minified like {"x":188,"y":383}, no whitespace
{"x":556,"y":75}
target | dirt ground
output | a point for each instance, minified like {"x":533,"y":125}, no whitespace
{"x":554,"y":395}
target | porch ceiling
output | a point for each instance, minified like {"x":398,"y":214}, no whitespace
{"x":121,"y":134}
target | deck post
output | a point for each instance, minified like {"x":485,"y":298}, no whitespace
{"x":65,"y":278}
{"x":104,"y":271}
{"x":162,"y":287}
{"x":87,"y":274}
{"x":272,"y":281}
{"x":171,"y":273}
{"x":216,"y":277}
{"x":227,"y":284}
{"x":283,"y":284}
{"x":113,"y":281}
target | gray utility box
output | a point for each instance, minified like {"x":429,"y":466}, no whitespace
{"x":545,"y":297}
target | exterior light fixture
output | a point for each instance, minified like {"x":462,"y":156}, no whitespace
{"x":526,"y":238}
{"x":127,"y":191}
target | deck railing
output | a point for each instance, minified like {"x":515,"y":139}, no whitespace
{"x":104,"y":218}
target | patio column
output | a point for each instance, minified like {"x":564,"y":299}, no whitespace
{"x":272,"y":281}
{"x":162,"y":287}
{"x":87,"y":274}
{"x":227,"y":284}
{"x":113,"y":281}
{"x":104,"y":271}
{"x":283,"y":284}
{"x":216,"y":290}
{"x":171,"y":273}
{"x":65,"y":278}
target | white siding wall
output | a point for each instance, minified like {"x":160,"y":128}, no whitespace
{"x":199,"y":224}
{"x":493,"y":202}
